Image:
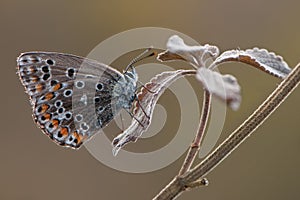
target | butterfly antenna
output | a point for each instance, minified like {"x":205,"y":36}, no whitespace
{"x":140,"y":57}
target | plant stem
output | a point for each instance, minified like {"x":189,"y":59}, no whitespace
{"x":195,"y":146}
{"x":178,"y":184}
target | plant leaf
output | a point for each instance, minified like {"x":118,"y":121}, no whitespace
{"x":225,"y":87}
{"x":260,"y":58}
{"x":195,"y":55}
{"x":147,"y":100}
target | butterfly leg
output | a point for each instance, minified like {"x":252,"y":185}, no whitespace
{"x":140,"y":105}
{"x":132,"y":115}
{"x":144,"y":86}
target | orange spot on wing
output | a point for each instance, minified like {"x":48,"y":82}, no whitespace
{"x":49,"y":96}
{"x":32,"y":70}
{"x":47,"y":116}
{"x":76,"y":135}
{"x":57,"y":87}
{"x":79,"y":137}
{"x":64,"y":132}
{"x":55,"y":123}
{"x":34,"y":79}
{"x":44,"y":108}
{"x":39,"y":87}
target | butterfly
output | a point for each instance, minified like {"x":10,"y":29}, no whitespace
{"x":73,"y":97}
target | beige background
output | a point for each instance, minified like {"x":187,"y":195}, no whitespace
{"x":266,"y":166}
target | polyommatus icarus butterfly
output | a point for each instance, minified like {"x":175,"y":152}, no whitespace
{"x":73,"y":97}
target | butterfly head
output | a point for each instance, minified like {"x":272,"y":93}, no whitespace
{"x":131,"y":75}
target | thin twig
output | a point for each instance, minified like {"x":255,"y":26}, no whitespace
{"x":178,"y":184}
{"x":195,"y":146}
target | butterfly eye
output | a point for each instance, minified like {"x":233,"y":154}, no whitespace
{"x":133,"y":97}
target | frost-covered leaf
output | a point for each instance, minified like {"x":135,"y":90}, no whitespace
{"x":259,"y":58}
{"x":225,"y":87}
{"x":147,"y":100}
{"x":195,"y":55}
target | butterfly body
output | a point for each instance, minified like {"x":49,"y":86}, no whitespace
{"x":73,"y":97}
{"x":125,"y":90}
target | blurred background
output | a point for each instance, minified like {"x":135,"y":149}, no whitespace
{"x":266,"y":166}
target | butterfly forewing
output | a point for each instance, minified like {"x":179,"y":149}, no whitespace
{"x":71,"y":96}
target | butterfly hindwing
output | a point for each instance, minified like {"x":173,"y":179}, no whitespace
{"x":71,"y":96}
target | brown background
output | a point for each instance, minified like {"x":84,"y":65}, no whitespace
{"x":266,"y":166}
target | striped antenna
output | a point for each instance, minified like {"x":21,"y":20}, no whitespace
{"x":140,"y":57}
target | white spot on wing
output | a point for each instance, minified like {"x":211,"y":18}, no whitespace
{"x":83,"y":99}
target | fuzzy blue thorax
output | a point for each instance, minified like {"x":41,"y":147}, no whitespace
{"x":124,"y":90}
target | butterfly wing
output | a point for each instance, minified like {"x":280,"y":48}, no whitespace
{"x":71,"y":96}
